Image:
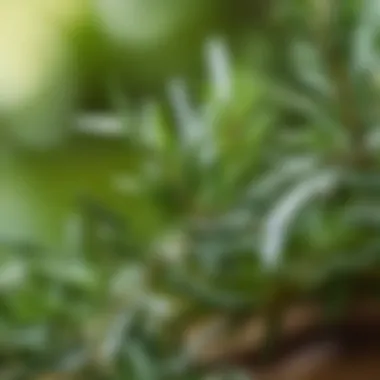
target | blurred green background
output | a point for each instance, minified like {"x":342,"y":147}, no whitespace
{"x":81,"y":58}
{"x":157,"y":157}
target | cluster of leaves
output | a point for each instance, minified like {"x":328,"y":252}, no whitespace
{"x":264,"y":185}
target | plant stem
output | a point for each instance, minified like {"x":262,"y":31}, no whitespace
{"x":339,"y":73}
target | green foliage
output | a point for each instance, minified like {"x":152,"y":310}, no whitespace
{"x":261,"y":184}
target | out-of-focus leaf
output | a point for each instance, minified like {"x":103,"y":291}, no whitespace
{"x":280,"y":219}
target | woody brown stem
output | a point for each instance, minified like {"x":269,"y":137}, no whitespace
{"x":339,"y":74}
{"x":303,"y":329}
